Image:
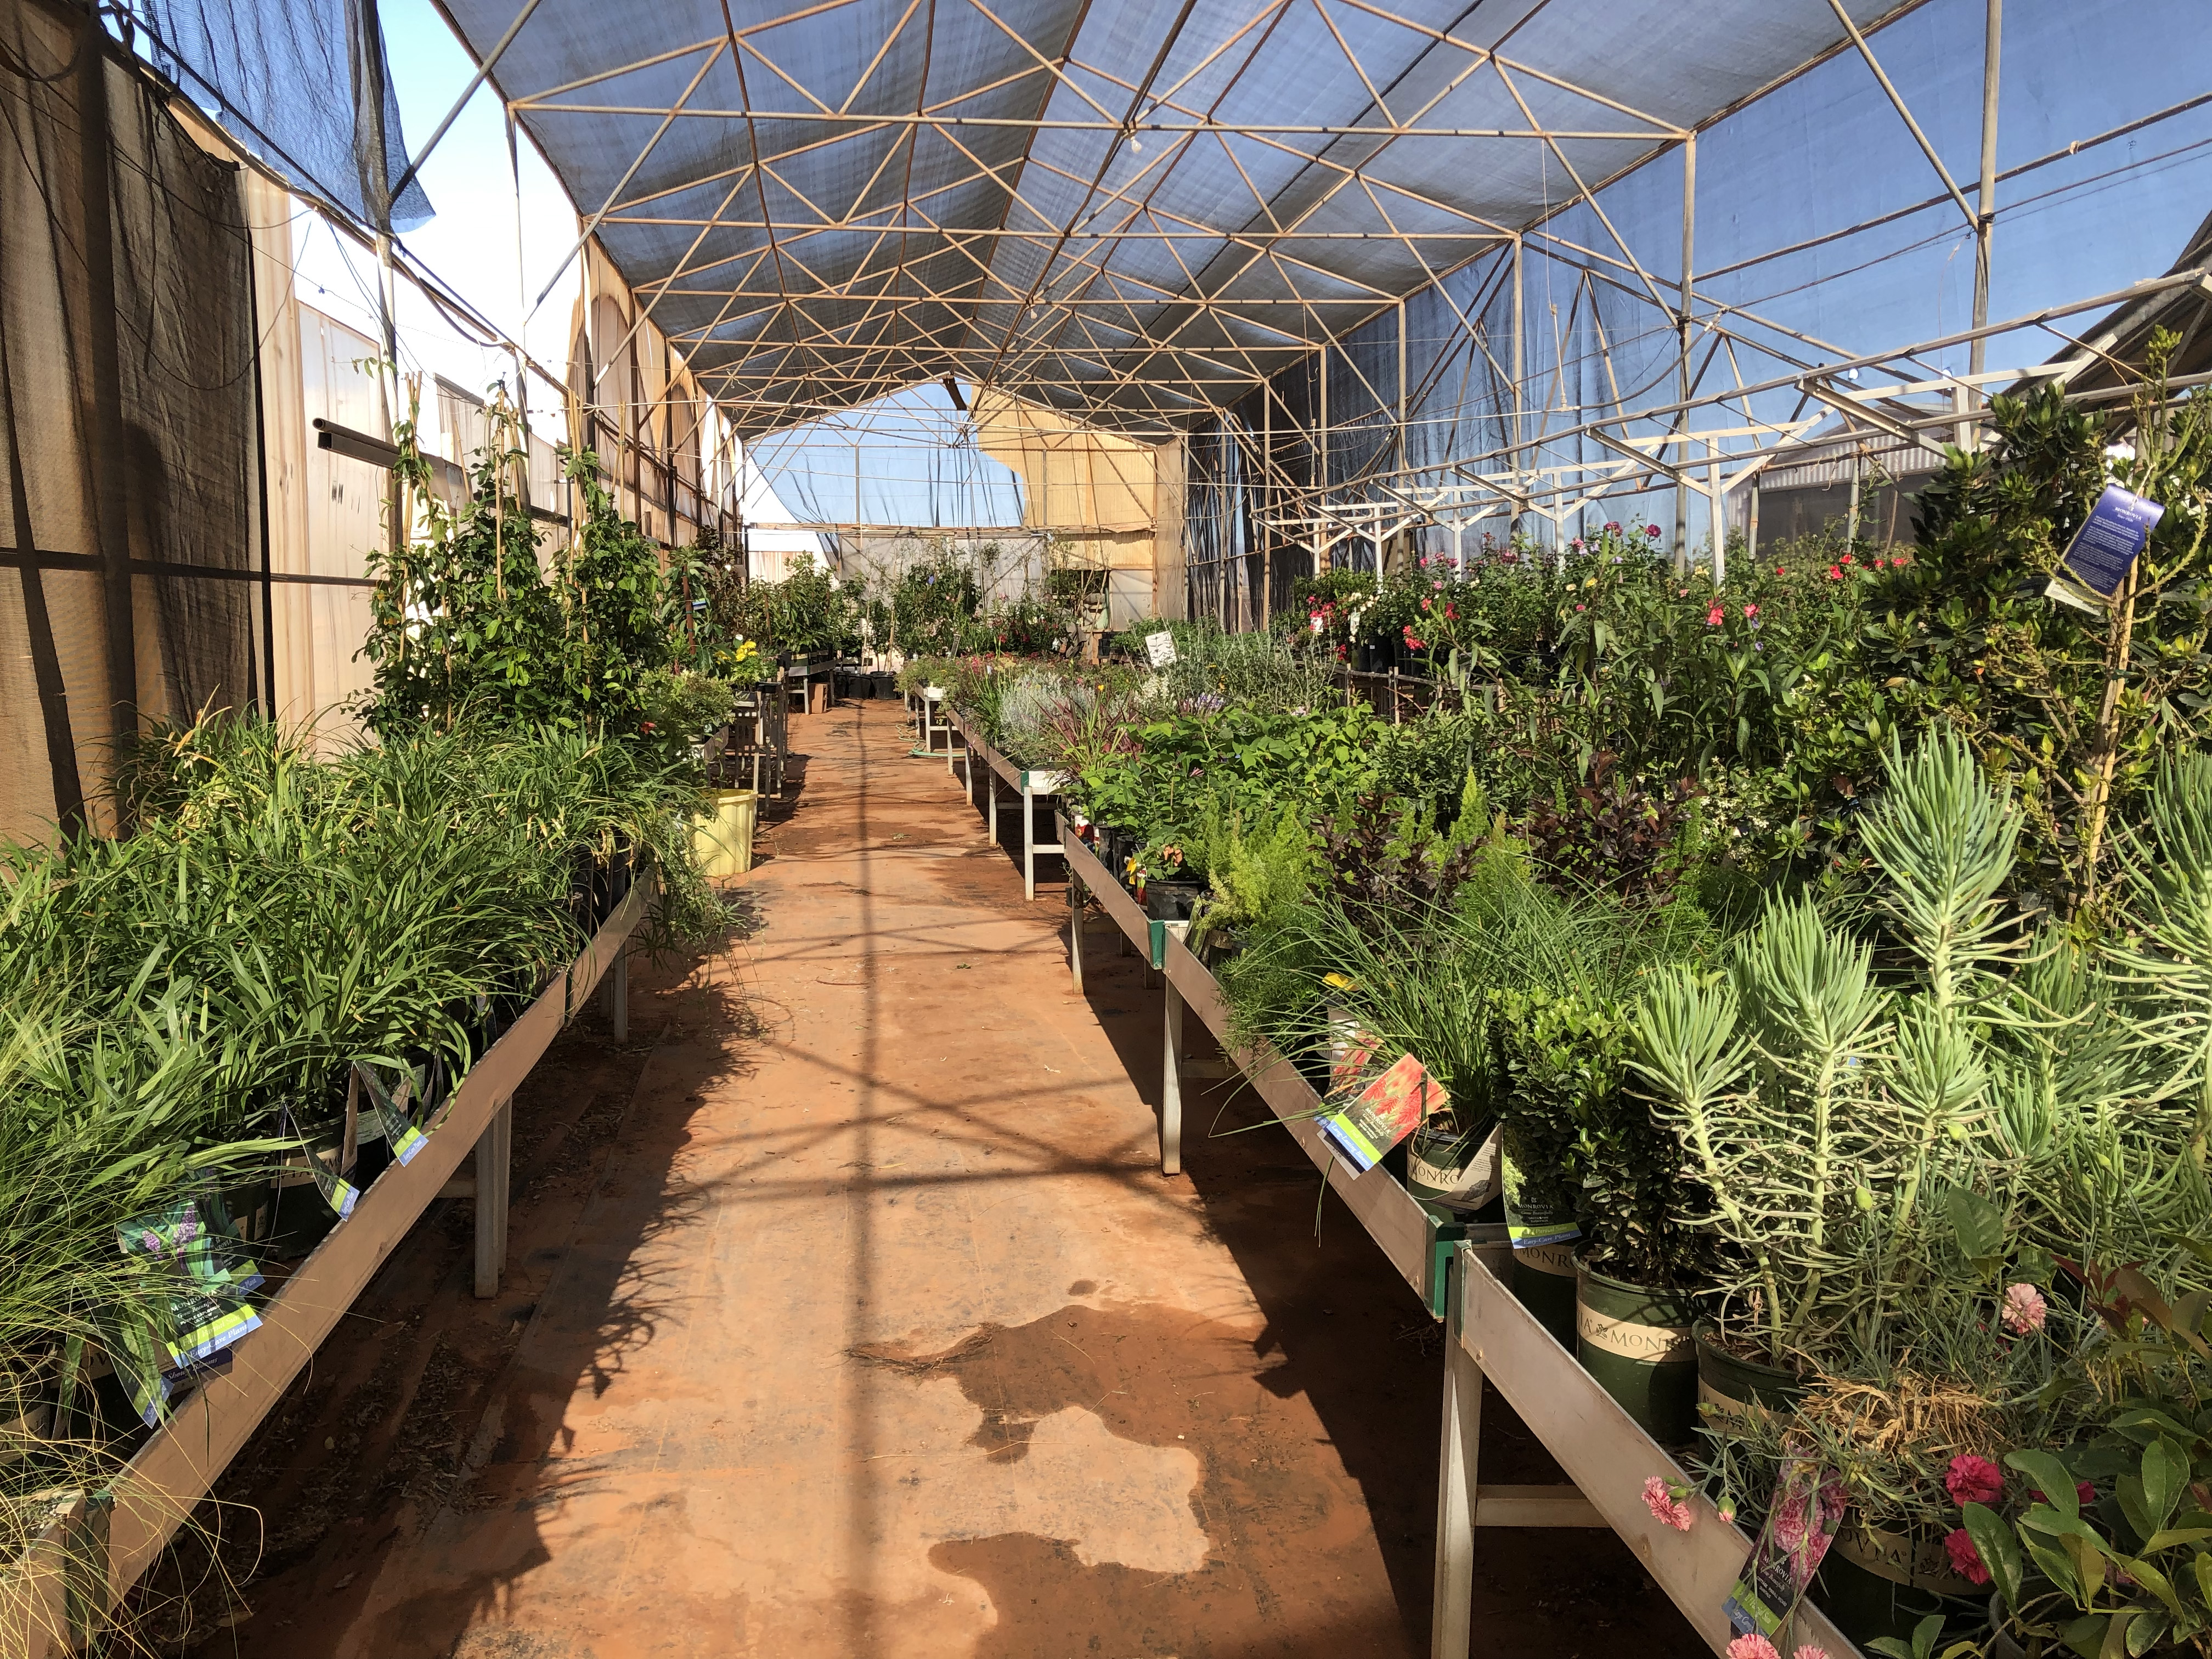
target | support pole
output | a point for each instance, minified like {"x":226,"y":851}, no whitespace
{"x":1321,"y":478}
{"x":1267,"y":493}
{"x":1851,"y":524}
{"x":1719,"y":496}
{"x":1682,"y":342}
{"x":1456,"y":1464}
{"x":1985,"y":203}
{"x":111,"y":477}
{"x":1520,"y":375}
{"x":991,"y":783}
{"x":1171,"y":1084}
{"x":495,"y":1150}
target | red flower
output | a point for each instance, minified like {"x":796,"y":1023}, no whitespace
{"x":1965,"y":1560}
{"x":1972,"y":1479}
{"x":1713,"y":617}
{"x":1651,"y":530}
{"x":1846,"y":559}
{"x":2083,"y":1493}
{"x":1834,"y":575}
{"x":1780,"y":571}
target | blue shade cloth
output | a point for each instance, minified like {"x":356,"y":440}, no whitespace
{"x":301,"y":83}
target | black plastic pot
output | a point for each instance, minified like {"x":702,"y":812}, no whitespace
{"x":1168,"y":899}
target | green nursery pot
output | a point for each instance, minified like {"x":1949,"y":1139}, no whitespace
{"x":1544,"y":1283}
{"x":1635,"y":1342}
{"x":1875,"y":1583}
{"x":1737,"y":1386}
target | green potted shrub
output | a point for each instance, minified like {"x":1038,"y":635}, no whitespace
{"x":1639,"y":1268}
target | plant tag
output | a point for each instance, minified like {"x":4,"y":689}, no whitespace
{"x":1350,"y":1051}
{"x":1800,"y":1523}
{"x":389,"y":1108}
{"x":1160,"y":647}
{"x":1533,"y":1221}
{"x":2103,"y":549}
{"x":1387,"y":1111}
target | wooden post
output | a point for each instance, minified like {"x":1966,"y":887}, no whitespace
{"x":1452,"y":1624}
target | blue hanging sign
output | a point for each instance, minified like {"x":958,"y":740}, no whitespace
{"x":2104,"y":549}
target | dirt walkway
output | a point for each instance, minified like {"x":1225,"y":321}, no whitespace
{"x":873,"y":1330}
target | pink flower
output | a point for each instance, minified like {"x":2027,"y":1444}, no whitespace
{"x":1965,"y":1560}
{"x":1651,"y":530}
{"x":1582,"y":607}
{"x":1972,"y":1479}
{"x":1613,"y":529}
{"x":1808,"y":1651}
{"x":1834,"y":575}
{"x":1665,"y":1507}
{"x":2024,"y":1310}
{"x":1713,"y":617}
{"x":2083,"y":1493}
{"x":1750,"y":610}
{"x":1752,"y":1646}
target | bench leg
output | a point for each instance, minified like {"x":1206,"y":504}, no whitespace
{"x":495,"y":1147}
{"x":1075,"y":933}
{"x":991,"y":783}
{"x":1449,"y":1635}
{"x":1171,"y":1087}
{"x":617,"y":995}
{"x":1028,"y":842}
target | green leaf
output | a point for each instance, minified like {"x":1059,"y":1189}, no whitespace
{"x":2165,"y":1478}
{"x":2000,"y":1550}
{"x":2050,"y":1474}
{"x":2170,"y":1536}
{"x":2154,"y":1581}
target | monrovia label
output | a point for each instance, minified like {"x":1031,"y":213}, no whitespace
{"x":1558,"y":1259}
{"x":1655,"y":1343}
{"x":1897,"y":1557}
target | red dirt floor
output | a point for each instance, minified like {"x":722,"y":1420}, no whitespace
{"x":847,"y":1315}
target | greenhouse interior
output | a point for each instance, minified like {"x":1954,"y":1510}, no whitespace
{"x":1545,"y":661}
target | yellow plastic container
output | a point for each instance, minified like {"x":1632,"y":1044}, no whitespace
{"x":723,"y":837}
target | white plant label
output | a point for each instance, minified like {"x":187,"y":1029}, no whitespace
{"x":1161,"y":646}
